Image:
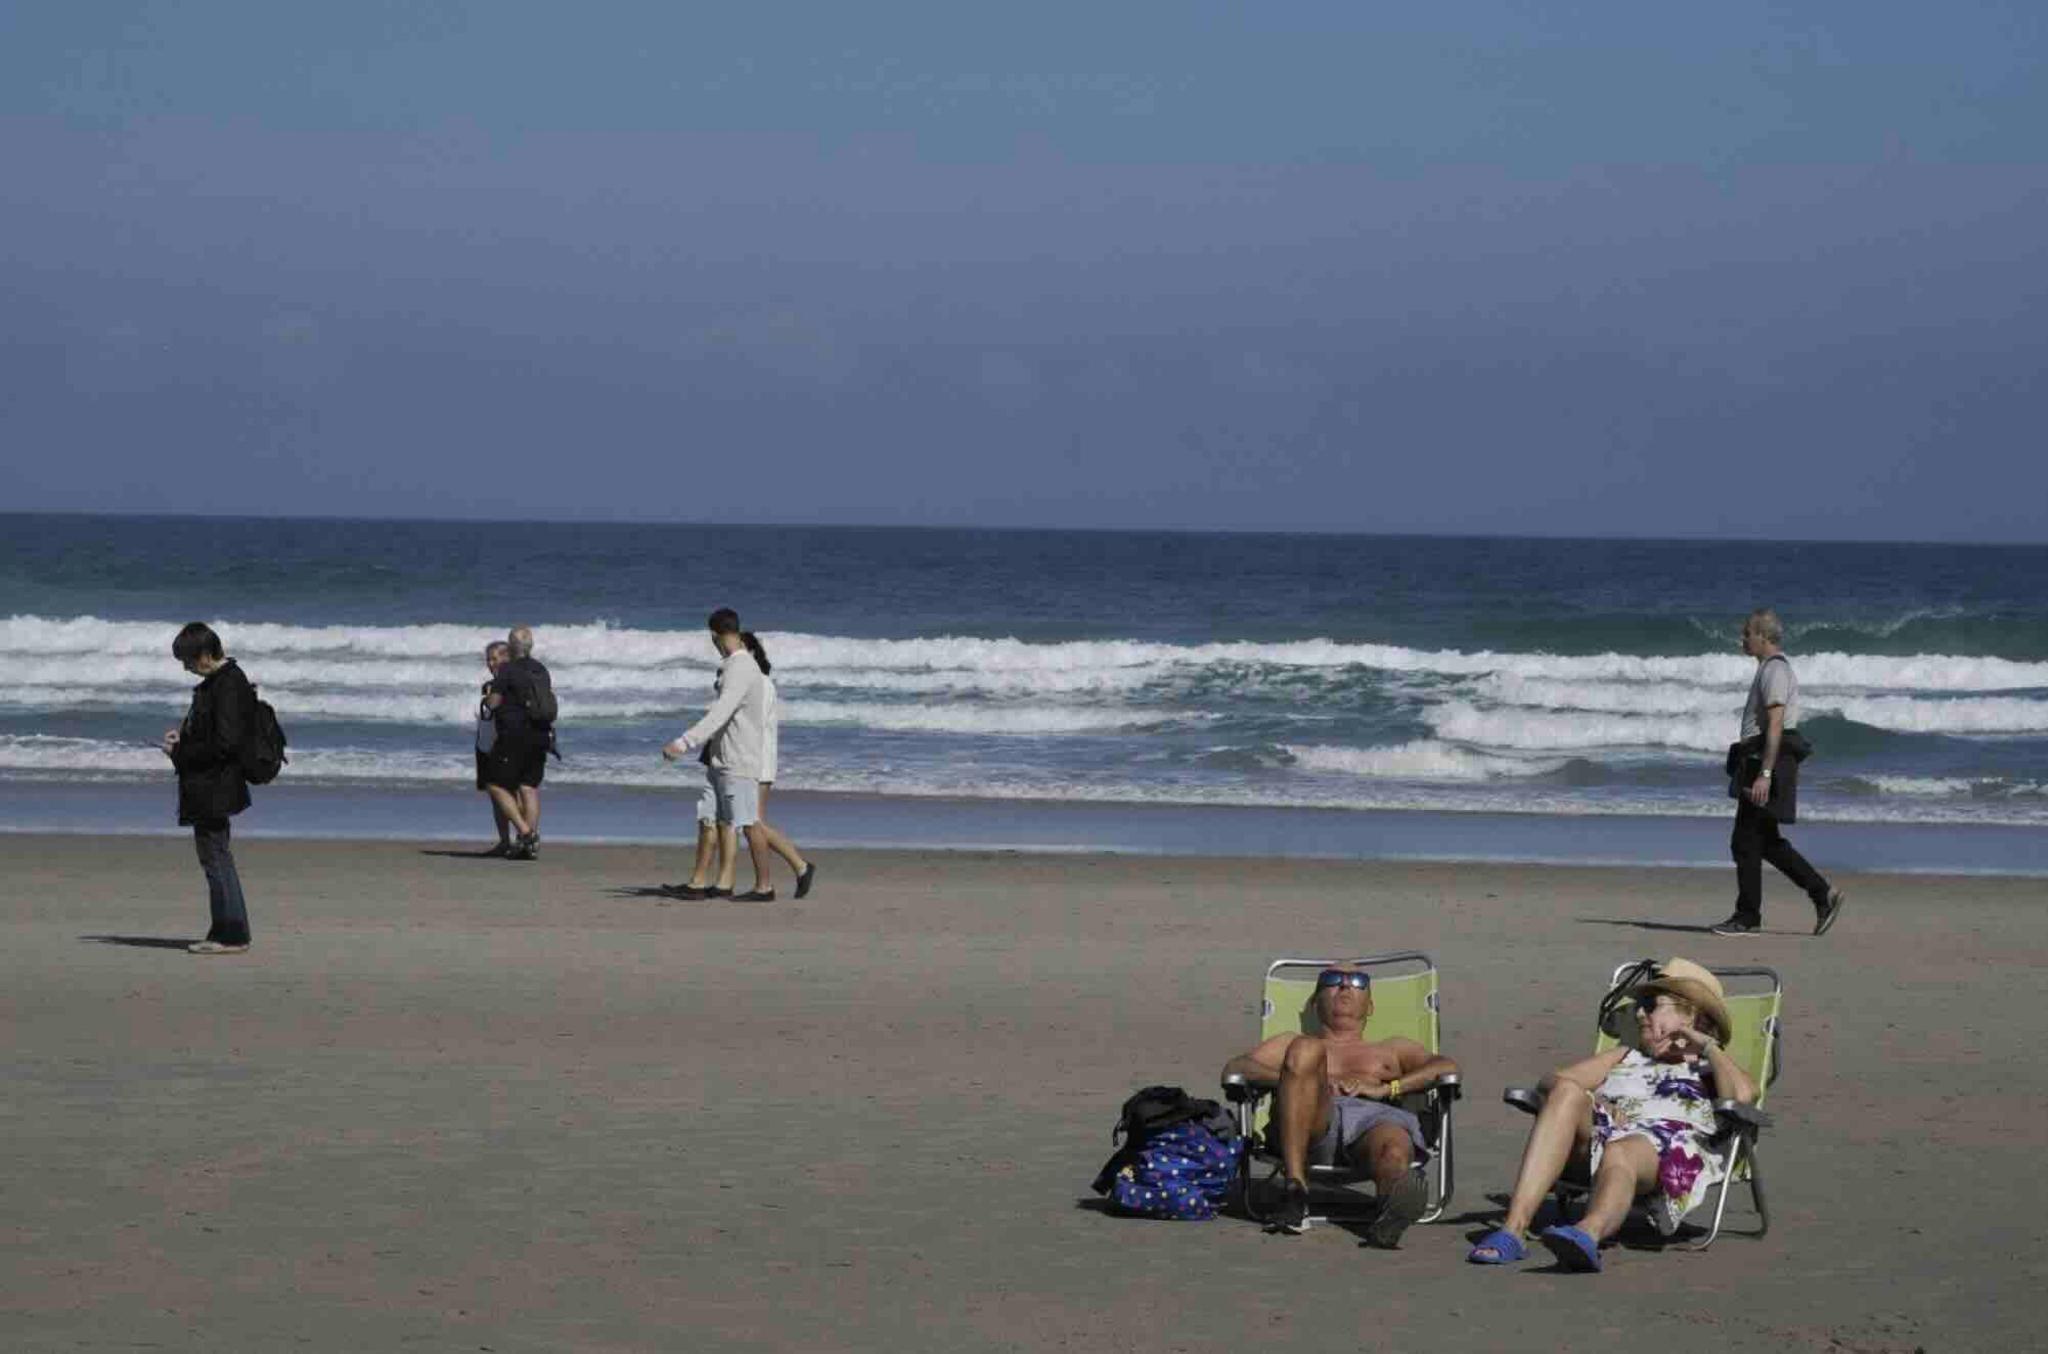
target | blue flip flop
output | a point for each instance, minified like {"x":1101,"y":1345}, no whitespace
{"x":1507,"y":1248}
{"x":1574,"y":1249}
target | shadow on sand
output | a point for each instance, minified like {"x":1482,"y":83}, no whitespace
{"x":1640,"y":925}
{"x":143,"y":942}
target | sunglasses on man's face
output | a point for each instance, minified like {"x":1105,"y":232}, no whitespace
{"x":1336,"y":977}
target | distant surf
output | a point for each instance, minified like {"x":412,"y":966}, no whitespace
{"x":1523,"y":677}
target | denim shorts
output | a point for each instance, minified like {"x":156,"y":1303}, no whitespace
{"x":729,"y":799}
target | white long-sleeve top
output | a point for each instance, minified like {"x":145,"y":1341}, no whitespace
{"x":771,"y":745}
{"x":735,"y":728}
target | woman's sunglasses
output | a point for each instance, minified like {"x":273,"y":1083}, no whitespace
{"x":1336,"y":977}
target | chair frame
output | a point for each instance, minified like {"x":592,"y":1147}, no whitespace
{"x":1740,"y":1125}
{"x":1433,"y":1105}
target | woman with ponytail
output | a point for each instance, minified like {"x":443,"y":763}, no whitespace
{"x":770,"y":836}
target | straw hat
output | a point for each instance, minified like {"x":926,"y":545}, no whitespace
{"x":1689,"y":982}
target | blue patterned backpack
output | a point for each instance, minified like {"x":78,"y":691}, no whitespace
{"x":1177,"y":1158}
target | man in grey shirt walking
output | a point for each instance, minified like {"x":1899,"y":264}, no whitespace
{"x":1764,"y":782}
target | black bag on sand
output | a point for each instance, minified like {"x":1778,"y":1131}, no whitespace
{"x":1153,"y":1109}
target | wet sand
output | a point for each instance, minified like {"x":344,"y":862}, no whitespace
{"x":468,"y":1104}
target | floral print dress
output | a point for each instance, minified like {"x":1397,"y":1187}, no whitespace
{"x":1671,"y":1104}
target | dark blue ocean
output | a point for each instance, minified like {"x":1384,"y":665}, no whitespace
{"x":1421,"y":689}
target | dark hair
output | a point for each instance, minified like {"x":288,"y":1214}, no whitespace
{"x":753,"y":644}
{"x":196,"y":640}
{"x":724,"y":621}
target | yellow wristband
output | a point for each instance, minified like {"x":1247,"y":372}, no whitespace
{"x":1394,"y":1089}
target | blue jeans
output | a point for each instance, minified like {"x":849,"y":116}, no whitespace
{"x":223,"y":884}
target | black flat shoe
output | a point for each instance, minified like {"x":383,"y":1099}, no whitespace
{"x":755,"y":896}
{"x":804,"y":880}
{"x":717,"y":893}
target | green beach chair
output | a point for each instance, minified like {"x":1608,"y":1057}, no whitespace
{"x":1754,"y":997}
{"x":1405,"y":1004}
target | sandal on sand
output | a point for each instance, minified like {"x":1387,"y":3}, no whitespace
{"x":216,"y":947}
{"x":1574,"y":1249}
{"x":1498,"y":1247}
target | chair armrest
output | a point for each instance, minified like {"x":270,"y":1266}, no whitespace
{"x":1524,"y":1098}
{"x":1240,"y":1089}
{"x":1745,"y":1116}
{"x":1450,"y":1086}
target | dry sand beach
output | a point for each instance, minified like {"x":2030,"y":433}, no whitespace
{"x":458,"y":1104}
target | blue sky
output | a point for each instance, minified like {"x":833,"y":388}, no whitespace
{"x":1743,"y":270}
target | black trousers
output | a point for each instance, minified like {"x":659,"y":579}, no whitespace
{"x":223,"y":883}
{"x":1756,"y":839}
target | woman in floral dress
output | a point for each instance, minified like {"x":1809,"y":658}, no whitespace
{"x":1636,"y":1117}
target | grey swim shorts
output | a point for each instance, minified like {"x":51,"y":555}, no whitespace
{"x":1352,"y":1117}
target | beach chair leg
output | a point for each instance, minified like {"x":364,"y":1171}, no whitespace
{"x":1247,"y":1194}
{"x":1721,"y":1204}
{"x":1245,"y":1113}
{"x":1756,"y":1194}
{"x":1444,"y":1175}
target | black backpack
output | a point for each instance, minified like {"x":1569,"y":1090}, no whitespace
{"x":1151,"y":1110}
{"x":263,"y":752}
{"x":540,"y":699}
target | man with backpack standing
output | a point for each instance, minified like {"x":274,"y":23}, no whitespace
{"x":525,"y":713}
{"x":209,"y":750}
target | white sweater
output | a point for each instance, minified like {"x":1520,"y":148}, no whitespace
{"x":771,"y":746}
{"x":736,"y":725}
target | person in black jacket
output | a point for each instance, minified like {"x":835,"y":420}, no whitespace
{"x":523,"y":701}
{"x":206,"y":749}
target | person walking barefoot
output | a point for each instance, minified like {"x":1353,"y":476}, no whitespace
{"x":770,"y":837}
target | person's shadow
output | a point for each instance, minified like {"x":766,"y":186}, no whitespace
{"x":661,"y":892}
{"x":1645,"y":925}
{"x":142,"y":942}
{"x":485,"y":854}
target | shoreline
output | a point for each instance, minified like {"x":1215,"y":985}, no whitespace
{"x":909,"y":851}
{"x":597,"y":815}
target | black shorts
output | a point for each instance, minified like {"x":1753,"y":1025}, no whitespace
{"x":515,"y":763}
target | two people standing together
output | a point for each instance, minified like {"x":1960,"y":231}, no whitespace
{"x":515,"y":732}
{"x":737,"y":742}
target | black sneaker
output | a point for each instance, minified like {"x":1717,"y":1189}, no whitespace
{"x":1291,"y":1214}
{"x":1398,"y":1211}
{"x":1737,"y":925}
{"x":1824,"y":914}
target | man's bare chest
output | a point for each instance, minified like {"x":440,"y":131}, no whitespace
{"x":1362,"y":1060}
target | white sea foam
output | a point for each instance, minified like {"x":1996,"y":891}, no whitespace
{"x":1574,"y":731}
{"x":602,"y":646}
{"x":1421,"y":759}
{"x":34,"y":757}
{"x":1902,"y":714}
{"x":1943,"y":786}
{"x":973,"y":719}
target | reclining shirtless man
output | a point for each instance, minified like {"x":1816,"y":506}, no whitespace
{"x":1337,"y":1098}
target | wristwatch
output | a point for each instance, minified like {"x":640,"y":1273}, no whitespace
{"x":1765,"y":773}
